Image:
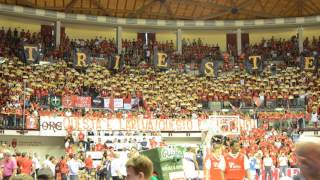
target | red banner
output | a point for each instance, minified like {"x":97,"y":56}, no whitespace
{"x":68,"y":101}
{"x":82,"y":102}
{"x":76,"y":101}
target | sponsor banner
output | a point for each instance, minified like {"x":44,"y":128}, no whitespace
{"x":52,"y":126}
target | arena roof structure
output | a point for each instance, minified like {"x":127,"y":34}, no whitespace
{"x":179,"y":9}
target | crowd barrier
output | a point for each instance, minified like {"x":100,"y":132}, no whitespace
{"x":291,"y":172}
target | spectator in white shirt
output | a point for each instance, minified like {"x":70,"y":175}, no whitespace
{"x":116,"y":168}
{"x":283,"y":163}
{"x":36,"y":163}
{"x":74,"y":166}
{"x":46,"y":161}
{"x":52,"y":165}
{"x":268,"y":164}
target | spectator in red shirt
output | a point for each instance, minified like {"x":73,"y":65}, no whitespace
{"x":89,"y":164}
{"x":99,"y":146}
{"x":26,"y":164}
{"x":63,"y":168}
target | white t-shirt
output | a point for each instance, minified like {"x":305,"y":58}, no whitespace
{"x":314,"y":117}
{"x":189,"y":166}
{"x":267,"y":161}
{"x":283,"y":161}
{"x":115,"y":166}
{"x":36,"y":163}
{"x":74,"y":166}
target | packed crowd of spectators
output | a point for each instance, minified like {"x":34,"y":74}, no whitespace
{"x":169,"y":94}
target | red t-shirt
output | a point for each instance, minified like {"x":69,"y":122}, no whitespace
{"x":26,"y":166}
{"x":89,"y":163}
{"x":235,"y":167}
{"x":81,"y":136}
{"x":99,"y":147}
{"x":63,"y":167}
{"x":215,"y":171}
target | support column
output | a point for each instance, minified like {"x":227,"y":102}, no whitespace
{"x":179,"y":41}
{"x":119,"y":39}
{"x":239,"y":44}
{"x":300,"y":39}
{"x":57,"y":33}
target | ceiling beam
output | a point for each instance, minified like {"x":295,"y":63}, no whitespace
{"x":227,"y":10}
{"x":70,"y":4}
{"x":300,"y":4}
{"x":27,"y":3}
{"x":168,"y":8}
{"x":314,"y":5}
{"x":99,"y":5}
{"x":139,"y":11}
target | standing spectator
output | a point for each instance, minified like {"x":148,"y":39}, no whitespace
{"x":9,"y":167}
{"x":283,"y":164}
{"x":89,"y":165}
{"x":237,"y":164}
{"x":268,"y":164}
{"x":74,"y":166}
{"x":252,"y":167}
{"x":139,"y":167}
{"x":46,"y":161}
{"x":105,"y":172}
{"x":52,"y":165}
{"x":190,"y":165}
{"x":26,"y":164}
{"x":116,"y":168}
{"x":215,"y":164}
{"x":36,"y":164}
{"x":63,"y":168}
{"x":258,"y":157}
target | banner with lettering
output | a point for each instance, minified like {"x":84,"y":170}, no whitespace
{"x":160,"y":59}
{"x":209,"y":68}
{"x":31,"y":54}
{"x":94,"y":123}
{"x":309,"y":62}
{"x":82,"y":102}
{"x":52,"y":126}
{"x":254,"y":63}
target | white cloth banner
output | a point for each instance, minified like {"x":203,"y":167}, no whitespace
{"x":106,"y":103}
{"x":118,"y":103}
{"x":52,"y":126}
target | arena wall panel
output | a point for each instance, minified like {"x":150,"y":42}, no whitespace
{"x":20,"y":23}
{"x":207,"y":37}
{"x":256,"y":35}
{"x":89,"y":31}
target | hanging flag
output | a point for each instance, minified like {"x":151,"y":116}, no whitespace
{"x":55,"y":101}
{"x":97,"y":102}
{"x":31,"y":54}
{"x":80,"y":58}
{"x":208,"y":68}
{"x":68,"y":102}
{"x":309,"y":62}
